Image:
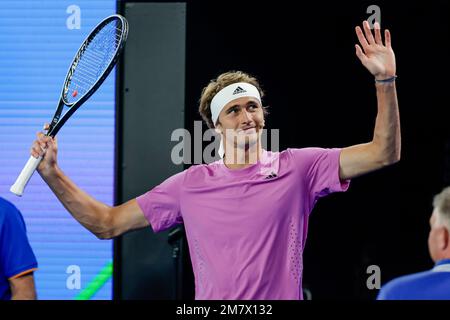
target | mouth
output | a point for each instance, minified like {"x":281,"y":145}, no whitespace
{"x":246,"y":129}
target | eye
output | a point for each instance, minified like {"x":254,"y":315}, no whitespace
{"x":234,"y":109}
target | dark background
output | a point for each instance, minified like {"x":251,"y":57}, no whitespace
{"x":320,"y":95}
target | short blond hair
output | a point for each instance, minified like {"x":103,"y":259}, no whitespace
{"x":215,"y":85}
{"x":441,"y":202}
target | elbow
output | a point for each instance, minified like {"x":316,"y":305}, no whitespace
{"x":105,"y":229}
{"x":397,"y":158}
{"x":391,"y":158}
{"x":387,"y":154}
{"x":104,"y":235}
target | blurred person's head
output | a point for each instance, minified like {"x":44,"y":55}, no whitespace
{"x":439,"y":237}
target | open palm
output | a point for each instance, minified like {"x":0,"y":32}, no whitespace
{"x":379,"y":59}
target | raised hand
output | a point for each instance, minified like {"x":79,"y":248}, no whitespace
{"x":46,"y":147}
{"x":377,"y":57}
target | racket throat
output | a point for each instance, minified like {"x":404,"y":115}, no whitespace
{"x":52,"y":127}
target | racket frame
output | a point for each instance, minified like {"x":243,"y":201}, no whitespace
{"x":58,"y":121}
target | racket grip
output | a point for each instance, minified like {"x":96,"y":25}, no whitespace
{"x":27,"y":171}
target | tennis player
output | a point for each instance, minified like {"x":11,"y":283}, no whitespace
{"x":245,"y":215}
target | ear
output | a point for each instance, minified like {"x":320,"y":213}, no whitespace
{"x":218,"y":128}
{"x":442,"y":237}
{"x":263,"y":123}
{"x":446,"y":238}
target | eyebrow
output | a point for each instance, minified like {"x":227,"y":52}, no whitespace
{"x":238,"y":105}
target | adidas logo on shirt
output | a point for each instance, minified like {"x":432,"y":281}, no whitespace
{"x":238,"y":90}
{"x":270,"y":176}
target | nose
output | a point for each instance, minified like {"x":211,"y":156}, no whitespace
{"x":246,"y":116}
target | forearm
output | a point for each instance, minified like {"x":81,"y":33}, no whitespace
{"x":23,"y":288}
{"x":386,"y":137}
{"x":92,"y":214}
{"x":24,"y":295}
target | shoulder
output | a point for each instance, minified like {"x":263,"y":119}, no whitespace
{"x":312,"y":157}
{"x":198,"y":172}
{"x":6,"y":205}
{"x":8,"y":211}
{"x":404,"y":287}
{"x":12,"y":224}
{"x":311,"y":152}
{"x":178,"y":181}
{"x":202,"y":171}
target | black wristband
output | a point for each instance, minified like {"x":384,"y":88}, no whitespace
{"x":391,"y":79}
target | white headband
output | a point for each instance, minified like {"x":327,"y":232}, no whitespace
{"x":228,"y":94}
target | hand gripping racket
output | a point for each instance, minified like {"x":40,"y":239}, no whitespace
{"x":91,"y":65}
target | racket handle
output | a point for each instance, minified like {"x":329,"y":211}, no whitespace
{"x":27,"y":171}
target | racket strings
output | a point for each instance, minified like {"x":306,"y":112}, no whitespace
{"x":94,"y":60}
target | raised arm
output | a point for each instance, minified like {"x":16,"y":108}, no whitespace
{"x":384,"y":149}
{"x":102,"y":220}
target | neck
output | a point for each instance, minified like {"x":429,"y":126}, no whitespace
{"x":239,"y":158}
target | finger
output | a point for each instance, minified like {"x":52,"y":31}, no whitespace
{"x":37,"y":150}
{"x":42,"y":137}
{"x":42,"y":145}
{"x":378,"y":38}
{"x":359,"y":53}
{"x":387,"y":38}
{"x":41,"y":134}
{"x":53,"y":142}
{"x":368,"y":32}
{"x":46,"y":126}
{"x":34,"y":152}
{"x":361,"y":38}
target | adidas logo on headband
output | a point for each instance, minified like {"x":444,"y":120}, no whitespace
{"x":238,"y":90}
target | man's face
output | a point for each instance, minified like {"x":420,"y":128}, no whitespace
{"x":241,"y":121}
{"x":437,"y":238}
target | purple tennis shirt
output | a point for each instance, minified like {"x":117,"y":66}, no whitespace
{"x":246,"y":228}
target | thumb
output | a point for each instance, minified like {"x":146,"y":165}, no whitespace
{"x":359,"y":53}
{"x":54,"y":142}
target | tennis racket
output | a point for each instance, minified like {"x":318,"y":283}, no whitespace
{"x":91,"y":65}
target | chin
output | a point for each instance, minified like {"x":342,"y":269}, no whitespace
{"x":250,"y":144}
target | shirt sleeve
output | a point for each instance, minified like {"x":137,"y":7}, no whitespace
{"x":387,"y":292}
{"x":382,"y":294}
{"x":16,"y":255}
{"x":319,"y":168}
{"x":161,"y":205}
